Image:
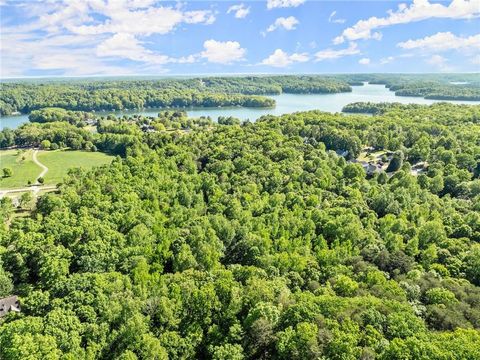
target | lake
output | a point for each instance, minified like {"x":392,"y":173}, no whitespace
{"x":286,"y":103}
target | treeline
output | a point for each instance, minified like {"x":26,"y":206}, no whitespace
{"x":375,"y":108}
{"x":46,"y":115}
{"x":50,"y":130}
{"x":439,"y":86}
{"x":56,"y":134}
{"x":440,"y":92}
{"x":26,"y":98}
{"x":136,"y":94}
{"x":274,"y":85}
{"x":253,"y":240}
{"x":465,"y":87}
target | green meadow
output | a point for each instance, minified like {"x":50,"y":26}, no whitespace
{"x":58,"y":162}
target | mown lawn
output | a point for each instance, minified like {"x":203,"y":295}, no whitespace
{"x":58,"y":162}
{"x":24,"y":169}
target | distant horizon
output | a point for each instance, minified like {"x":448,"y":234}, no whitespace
{"x":39,"y":77}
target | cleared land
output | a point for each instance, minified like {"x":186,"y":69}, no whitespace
{"x":24,"y":169}
{"x":58,"y":162}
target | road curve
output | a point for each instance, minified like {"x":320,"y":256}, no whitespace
{"x":35,"y":188}
{"x":44,"y":168}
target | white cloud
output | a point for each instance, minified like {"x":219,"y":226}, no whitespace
{"x":128,"y":47}
{"x":272,"y":4}
{"x":73,"y":14}
{"x":280,"y":58}
{"x":190,"y":59}
{"x":240,"y":10}
{"x":205,"y":17}
{"x":332,"y":19}
{"x":440,"y":62}
{"x":386,"y":60}
{"x":364,"y":61}
{"x":285,"y":23}
{"x":329,"y":54}
{"x":50,"y":55}
{"x":153,"y":20}
{"x":222,"y":52}
{"x":417,"y":11}
{"x":475,"y":60}
{"x":443,"y":41}
{"x":84,"y":37}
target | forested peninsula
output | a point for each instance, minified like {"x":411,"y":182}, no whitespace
{"x":303,"y":236}
{"x":432,"y":86}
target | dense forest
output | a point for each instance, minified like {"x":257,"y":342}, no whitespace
{"x":240,"y":240}
{"x":438,"y":87}
{"x":136,"y":94}
{"x":375,"y":108}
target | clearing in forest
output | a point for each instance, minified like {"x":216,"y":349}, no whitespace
{"x":57,"y":162}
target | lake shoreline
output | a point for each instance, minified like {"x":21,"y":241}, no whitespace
{"x":285,"y":103}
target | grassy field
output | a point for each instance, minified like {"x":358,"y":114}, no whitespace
{"x":58,"y":162}
{"x":24,"y":169}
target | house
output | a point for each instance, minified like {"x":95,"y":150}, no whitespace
{"x":369,"y":167}
{"x":10,"y":303}
{"x":342,"y":153}
{"x":372,"y":168}
{"x":147,"y":128}
{"x":419,"y":168}
{"x":91,"y":122}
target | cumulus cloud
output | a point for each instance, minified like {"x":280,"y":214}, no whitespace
{"x":288,"y":24}
{"x":364,"y":61}
{"x":128,"y":47}
{"x":330,"y":54}
{"x":440,"y":62}
{"x":222,"y":52}
{"x":240,"y":10}
{"x":153,"y":20}
{"x":417,"y":11}
{"x":186,"y":59}
{"x":272,"y":4}
{"x":332,"y":19}
{"x":280,"y":58}
{"x":386,"y":60}
{"x":443,"y":41}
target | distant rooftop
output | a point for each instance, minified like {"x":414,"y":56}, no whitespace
{"x":8,"y":304}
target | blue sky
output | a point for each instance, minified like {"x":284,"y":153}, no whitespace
{"x":130,"y":37}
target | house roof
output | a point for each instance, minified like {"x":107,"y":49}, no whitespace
{"x":8,"y":304}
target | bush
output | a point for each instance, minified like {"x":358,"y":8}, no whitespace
{"x":344,"y":286}
{"x":45,"y":144}
{"x":7,"y":172}
{"x":439,"y":296}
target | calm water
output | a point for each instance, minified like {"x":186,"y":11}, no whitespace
{"x":286,"y":103}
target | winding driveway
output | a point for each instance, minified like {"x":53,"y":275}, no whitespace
{"x":44,"y":168}
{"x":35,"y":187}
